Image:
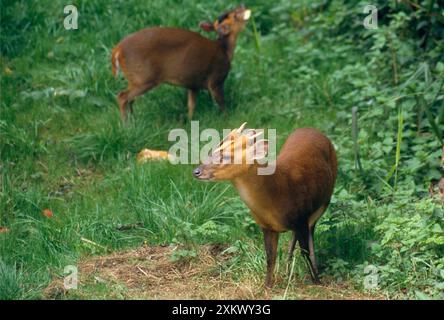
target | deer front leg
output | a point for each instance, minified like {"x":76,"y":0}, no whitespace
{"x":217,"y":92}
{"x":271,"y":239}
{"x":191,"y":103}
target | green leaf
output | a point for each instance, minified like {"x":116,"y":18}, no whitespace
{"x":440,"y":67}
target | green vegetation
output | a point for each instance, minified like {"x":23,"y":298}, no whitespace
{"x":298,"y":63}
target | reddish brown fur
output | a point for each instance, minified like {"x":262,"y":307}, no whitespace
{"x":291,"y":199}
{"x":158,"y":55}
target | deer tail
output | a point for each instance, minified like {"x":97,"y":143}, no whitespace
{"x":115,"y":57}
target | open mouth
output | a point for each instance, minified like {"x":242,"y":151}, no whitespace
{"x":247,"y":14}
{"x":206,"y":178}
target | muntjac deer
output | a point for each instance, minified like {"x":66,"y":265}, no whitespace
{"x":292,"y":198}
{"x":158,"y":55}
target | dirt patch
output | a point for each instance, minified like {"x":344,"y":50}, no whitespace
{"x":149,"y":273}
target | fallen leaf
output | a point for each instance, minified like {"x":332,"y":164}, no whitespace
{"x":47,"y":213}
{"x":147,"y":155}
{"x":8,"y":71}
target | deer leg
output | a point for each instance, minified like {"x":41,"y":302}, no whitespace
{"x":305,"y":239}
{"x":311,"y":249}
{"x":126,"y":98}
{"x":217,"y":92}
{"x":122,"y":99}
{"x":130,"y":107}
{"x":191,"y":103}
{"x":291,"y":247}
{"x":271,"y":239}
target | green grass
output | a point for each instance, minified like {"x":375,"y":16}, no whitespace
{"x":9,"y":282}
{"x":63,"y":147}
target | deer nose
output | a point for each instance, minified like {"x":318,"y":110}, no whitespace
{"x":197,"y":172}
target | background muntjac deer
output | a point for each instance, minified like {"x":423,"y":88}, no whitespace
{"x":292,"y":198}
{"x":158,"y":55}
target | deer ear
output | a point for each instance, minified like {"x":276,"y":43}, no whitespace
{"x":260,"y":149}
{"x":206,"y":26}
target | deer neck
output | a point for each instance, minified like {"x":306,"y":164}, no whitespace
{"x":261,"y":193}
{"x":228,"y":44}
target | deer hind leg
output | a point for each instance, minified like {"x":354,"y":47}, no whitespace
{"x":291,"y":247}
{"x":122,"y":99}
{"x":305,"y":238}
{"x":126,"y":98}
{"x":311,"y":250}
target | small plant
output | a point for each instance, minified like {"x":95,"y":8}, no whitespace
{"x":10,"y":282}
{"x":183,"y":254}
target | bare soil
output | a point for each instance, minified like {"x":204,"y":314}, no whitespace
{"x":149,"y":273}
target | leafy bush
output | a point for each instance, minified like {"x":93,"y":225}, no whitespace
{"x":411,"y":248}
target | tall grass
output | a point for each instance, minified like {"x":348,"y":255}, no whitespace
{"x":9,"y":282}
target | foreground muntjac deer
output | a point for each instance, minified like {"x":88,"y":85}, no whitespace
{"x":158,"y":55}
{"x":292,"y":198}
